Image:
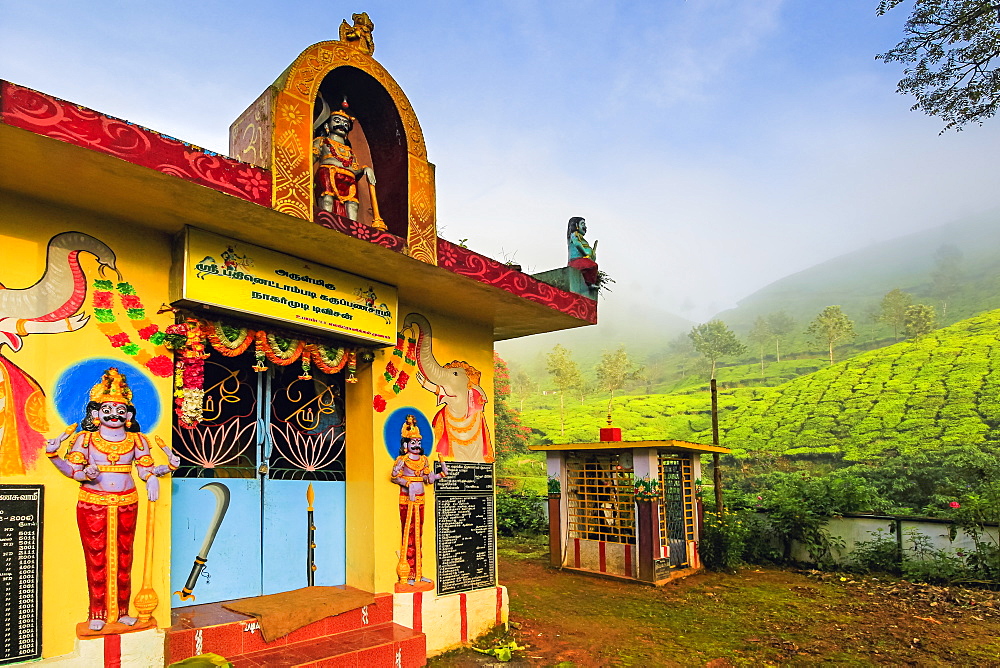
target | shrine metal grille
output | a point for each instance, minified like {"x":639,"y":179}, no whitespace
{"x":600,"y":499}
{"x":677,"y":507}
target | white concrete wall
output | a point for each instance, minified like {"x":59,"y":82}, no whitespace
{"x":854,"y":530}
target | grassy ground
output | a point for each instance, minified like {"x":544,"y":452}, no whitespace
{"x":753,"y":618}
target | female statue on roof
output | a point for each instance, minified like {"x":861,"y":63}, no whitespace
{"x":581,"y":255}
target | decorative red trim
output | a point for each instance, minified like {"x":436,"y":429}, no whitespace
{"x":112,"y":651}
{"x":499,"y":606}
{"x":463,"y":611}
{"x":576,"y":552}
{"x":601,"y":551}
{"x":418,"y":611}
{"x":360,"y":231}
{"x":51,"y":117}
{"x":468,"y":263}
{"x":628,"y":559}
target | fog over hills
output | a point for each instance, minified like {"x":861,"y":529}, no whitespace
{"x":857,"y":281}
{"x":640,"y":327}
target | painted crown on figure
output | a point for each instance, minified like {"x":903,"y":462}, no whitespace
{"x":112,"y":388}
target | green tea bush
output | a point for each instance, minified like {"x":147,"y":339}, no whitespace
{"x":520,"y":513}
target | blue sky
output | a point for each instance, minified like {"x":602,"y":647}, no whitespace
{"x":713,"y":145}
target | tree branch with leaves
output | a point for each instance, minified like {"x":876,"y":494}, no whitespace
{"x":950,"y":51}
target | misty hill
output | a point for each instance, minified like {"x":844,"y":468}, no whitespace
{"x":640,"y":327}
{"x":940,"y":390}
{"x":857,"y":281}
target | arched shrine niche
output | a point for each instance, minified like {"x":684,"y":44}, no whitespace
{"x":277,"y":132}
{"x":376,"y":139}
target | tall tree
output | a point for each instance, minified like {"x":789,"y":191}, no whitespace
{"x":614,"y":371}
{"x":521,"y":385}
{"x":893,"y":310}
{"x":830,"y":327}
{"x":781,"y":325}
{"x":510,"y":435}
{"x":949,"y":52}
{"x":566,"y":376}
{"x":919,"y":320}
{"x":714,"y":340}
{"x":760,"y":335}
{"x":946,"y":277}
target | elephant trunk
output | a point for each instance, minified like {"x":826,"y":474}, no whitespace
{"x":425,"y":354}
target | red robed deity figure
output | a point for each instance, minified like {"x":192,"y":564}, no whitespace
{"x":101,"y":459}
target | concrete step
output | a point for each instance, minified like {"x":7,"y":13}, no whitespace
{"x":211,"y":628}
{"x":386,"y":645}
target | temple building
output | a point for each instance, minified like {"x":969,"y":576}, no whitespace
{"x":246,"y":402}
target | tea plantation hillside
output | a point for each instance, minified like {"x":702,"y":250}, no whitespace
{"x":940,"y":390}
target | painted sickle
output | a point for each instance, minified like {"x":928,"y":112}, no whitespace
{"x":221,"y":506}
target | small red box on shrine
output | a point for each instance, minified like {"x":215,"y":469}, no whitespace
{"x":611,"y":434}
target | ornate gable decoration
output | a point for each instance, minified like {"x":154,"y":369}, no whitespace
{"x":284,"y":132}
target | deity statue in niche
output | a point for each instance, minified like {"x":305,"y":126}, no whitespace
{"x":581,"y":255}
{"x":411,"y":471}
{"x":101,"y":459}
{"x":337,"y":169}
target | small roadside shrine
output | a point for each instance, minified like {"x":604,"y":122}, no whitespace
{"x":625,"y":509}
{"x":245,"y":402}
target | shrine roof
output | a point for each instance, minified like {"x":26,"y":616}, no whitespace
{"x":670,"y":445}
{"x":132,"y":173}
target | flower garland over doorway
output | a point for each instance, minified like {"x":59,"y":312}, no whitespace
{"x":189,"y":338}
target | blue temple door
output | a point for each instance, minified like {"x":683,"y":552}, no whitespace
{"x":304,"y":483}
{"x":245,"y":479}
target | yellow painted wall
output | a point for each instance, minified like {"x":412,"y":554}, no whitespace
{"x":452,"y":340}
{"x":143,"y":257}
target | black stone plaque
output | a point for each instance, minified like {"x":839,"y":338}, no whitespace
{"x":465,"y":528}
{"x":20,"y":573}
{"x":465,"y":478}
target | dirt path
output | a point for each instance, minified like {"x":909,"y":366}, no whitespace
{"x":757,"y":617}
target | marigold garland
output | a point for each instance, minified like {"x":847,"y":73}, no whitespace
{"x":229,"y":340}
{"x":103,"y":303}
{"x":394,"y":378}
{"x":324,"y":360}
{"x":189,"y":373}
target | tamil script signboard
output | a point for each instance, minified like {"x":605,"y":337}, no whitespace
{"x":20,"y":573}
{"x":465,"y":528}
{"x":241,"y":278}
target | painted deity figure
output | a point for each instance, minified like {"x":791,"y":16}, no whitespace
{"x":338,"y":170}
{"x":101,"y":459}
{"x":412,"y":470}
{"x":581,"y":255}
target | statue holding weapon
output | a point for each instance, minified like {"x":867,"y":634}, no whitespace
{"x":101,"y":458}
{"x":338,"y":171}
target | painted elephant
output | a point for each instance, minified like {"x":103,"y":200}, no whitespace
{"x":51,"y":306}
{"x":460,"y":429}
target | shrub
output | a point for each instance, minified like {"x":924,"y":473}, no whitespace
{"x":760,"y":546}
{"x":878,"y":555}
{"x":722,"y":541}
{"x":520,"y":513}
{"x":924,"y":563}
